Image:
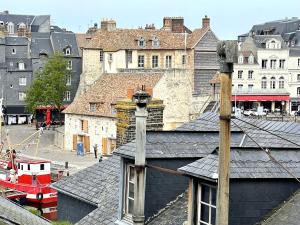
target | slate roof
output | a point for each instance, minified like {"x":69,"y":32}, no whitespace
{"x":16,"y":41}
{"x":260,"y":40}
{"x":14,"y":65}
{"x":11,"y":212}
{"x":289,"y":130}
{"x":62,"y":40}
{"x":95,"y":184}
{"x":128,"y":39}
{"x":295,"y":52}
{"x":286,"y":214}
{"x":108,"y":89}
{"x":176,"y":144}
{"x":175,"y":213}
{"x":248,"y":163}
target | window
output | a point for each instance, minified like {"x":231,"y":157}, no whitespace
{"x":264,"y":83}
{"x":21,"y":66}
{"x":13,"y":51}
{"x":155,"y":61}
{"x":155,"y":42}
{"x":22,"y":167}
{"x":67,"y":51}
{"x":101,"y":56}
{"x":272,"y":83}
{"x":67,"y":96}
{"x":10,"y":28}
{"x":241,"y":59}
{"x":240,"y":87}
{"x":183,"y":59}
{"x":250,"y":74}
{"x":168,"y":61}
{"x":273,"y":64}
{"x":93,"y":107}
{"x":141,"y":61}
{"x":110,"y":57}
{"x":281,"y":83}
{"x":298,"y":91}
{"x":298,"y":62}
{"x":240,"y":74}
{"x":250,"y":87}
{"x":129,"y":56}
{"x":22,"y":81}
{"x":84,"y":126}
{"x":264,"y":64}
{"x":28,"y":167}
{"x":22,"y":26}
{"x":281,"y":63}
{"x":298,"y":77}
{"x":206,"y":205}
{"x":251,"y":59}
{"x":69,"y":66}
{"x":22,"y":96}
{"x":141,"y":42}
{"x":69,"y":79}
{"x":129,"y":190}
{"x":42,"y":166}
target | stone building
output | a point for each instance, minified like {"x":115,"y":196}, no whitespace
{"x":26,"y":41}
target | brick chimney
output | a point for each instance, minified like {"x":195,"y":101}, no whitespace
{"x":126,"y":116}
{"x":174,"y":24}
{"x":108,"y":25}
{"x":205,"y":22}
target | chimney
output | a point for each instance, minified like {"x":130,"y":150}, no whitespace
{"x":126,"y":116}
{"x":174,"y":24}
{"x":108,"y":25}
{"x":205,"y":22}
{"x":141,"y":99}
{"x":5,"y":12}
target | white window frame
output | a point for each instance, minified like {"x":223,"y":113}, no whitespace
{"x":22,"y":96}
{"x":298,"y":77}
{"x":10,"y":28}
{"x":273,"y":83}
{"x":241,"y":59}
{"x":110,"y":57}
{"x":264,"y":83}
{"x":129,"y":56}
{"x":250,"y":74}
{"x":251,"y":59}
{"x":240,"y":87}
{"x":68,"y":51}
{"x":250,"y":87}
{"x":298,"y":91}
{"x":67,"y":97}
{"x":155,"y":42}
{"x":93,"y":107}
{"x":264,"y":66}
{"x":141,"y":42}
{"x":21,"y":66}
{"x":155,"y":63}
{"x":70,"y":65}
{"x":281,"y":63}
{"x":281,"y":83}
{"x":168,"y":61}
{"x":13,"y":51}
{"x":299,"y":62}
{"x":69,"y":79}
{"x":141,"y":61}
{"x":208,"y":204}
{"x":127,"y":183}
{"x":22,"y":81}
{"x":273,"y":64}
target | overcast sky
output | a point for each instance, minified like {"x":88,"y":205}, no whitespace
{"x":228,"y":17}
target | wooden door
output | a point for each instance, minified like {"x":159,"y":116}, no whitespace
{"x":74,"y":141}
{"x":104,"y":146}
{"x":87,"y":143}
{"x":85,"y":126}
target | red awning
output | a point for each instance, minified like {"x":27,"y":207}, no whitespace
{"x":260,"y":98}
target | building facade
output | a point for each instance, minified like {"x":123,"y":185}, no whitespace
{"x":26,"y":42}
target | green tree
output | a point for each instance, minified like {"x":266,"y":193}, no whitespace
{"x":49,"y":86}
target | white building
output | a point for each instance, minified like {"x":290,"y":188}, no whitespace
{"x":294,"y":83}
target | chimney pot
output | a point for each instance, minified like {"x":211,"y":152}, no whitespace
{"x":205,"y":22}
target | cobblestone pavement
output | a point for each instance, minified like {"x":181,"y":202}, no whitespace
{"x":46,"y":149}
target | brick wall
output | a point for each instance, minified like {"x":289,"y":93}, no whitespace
{"x":126,"y":119}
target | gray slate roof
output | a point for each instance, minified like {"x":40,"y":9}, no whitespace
{"x":248,"y":163}
{"x":16,"y":41}
{"x":10,"y":211}
{"x":61,"y":40}
{"x":176,"y":144}
{"x":289,"y":130}
{"x":41,"y":44}
{"x":287,"y":214}
{"x":175,"y":213}
{"x":93,"y":183}
{"x":295,"y":52}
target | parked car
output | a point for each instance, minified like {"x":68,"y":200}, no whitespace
{"x":297,"y":113}
{"x":249,"y":112}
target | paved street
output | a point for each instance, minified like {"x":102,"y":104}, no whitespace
{"x":46,"y":150}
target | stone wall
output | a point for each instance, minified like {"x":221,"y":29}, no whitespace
{"x":126,"y":119}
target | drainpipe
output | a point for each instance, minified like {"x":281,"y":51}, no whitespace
{"x":141,"y":99}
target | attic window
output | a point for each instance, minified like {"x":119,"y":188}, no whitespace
{"x":67,"y":51}
{"x":141,"y":42}
{"x":93,"y":107}
{"x":21,"y":66}
{"x":155,"y":42}
{"x":13,"y":51}
{"x":251,"y":59}
{"x":206,"y":204}
{"x":22,"y":25}
{"x":241,"y":59}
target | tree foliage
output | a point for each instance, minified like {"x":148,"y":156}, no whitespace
{"x":49,"y":85}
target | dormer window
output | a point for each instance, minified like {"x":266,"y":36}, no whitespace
{"x":21,"y":66}
{"x":273,"y":44}
{"x":93,"y":107}
{"x":155,"y":42}
{"x":13,"y":51}
{"x":241,"y":59}
{"x":22,"y":26}
{"x":10,"y":28}
{"x":251,"y":59}
{"x":141,"y":42}
{"x":67,"y":51}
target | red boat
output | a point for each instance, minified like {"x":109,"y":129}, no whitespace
{"x":31,"y":177}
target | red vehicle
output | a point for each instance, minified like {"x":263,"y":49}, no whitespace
{"x":32,"y":178}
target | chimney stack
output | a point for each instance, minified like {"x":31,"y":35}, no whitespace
{"x":108,"y":25}
{"x":205,"y":22}
{"x":141,"y":99}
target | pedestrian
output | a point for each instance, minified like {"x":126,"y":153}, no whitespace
{"x":95,"y":150}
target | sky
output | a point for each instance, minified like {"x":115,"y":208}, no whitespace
{"x":229,"y":18}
